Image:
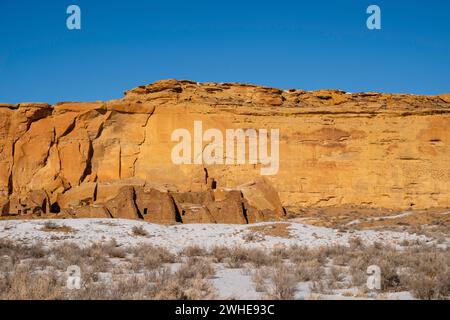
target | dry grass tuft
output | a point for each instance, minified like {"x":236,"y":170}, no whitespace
{"x":50,"y":226}
{"x":273,"y":230}
{"x":139,"y":231}
{"x":111,"y":271}
{"x":189,"y":282}
{"x":194,"y":251}
{"x":283,"y":283}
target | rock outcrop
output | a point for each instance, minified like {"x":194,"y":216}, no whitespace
{"x":113,"y":158}
{"x":130,"y":199}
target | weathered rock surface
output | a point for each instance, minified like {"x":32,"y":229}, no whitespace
{"x":261,"y":201}
{"x":123,"y":205}
{"x":129,"y":199}
{"x":114,"y":158}
{"x":155,"y":206}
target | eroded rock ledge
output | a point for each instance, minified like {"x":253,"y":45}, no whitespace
{"x":113,"y":158}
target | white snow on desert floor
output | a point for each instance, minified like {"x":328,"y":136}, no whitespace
{"x":231,"y":283}
{"x":177,"y":237}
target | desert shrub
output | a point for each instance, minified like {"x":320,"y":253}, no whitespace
{"x":189,"y":282}
{"x":259,"y":258}
{"x":129,"y":288}
{"x":429,"y":274}
{"x":17,"y":252}
{"x":24,"y":284}
{"x":68,"y":254}
{"x":299,"y":254}
{"x":259,"y":277}
{"x":149,"y":257}
{"x":196,"y":268}
{"x":280,"y":253}
{"x":336,"y":274}
{"x":220,"y":253}
{"x":6,"y":246}
{"x":238,"y":257}
{"x":339,"y":255}
{"x":51,"y":226}
{"x":320,"y":287}
{"x":139,"y":231}
{"x":194,"y":251}
{"x":310,"y":270}
{"x":355,"y":243}
{"x":283,"y":283}
{"x":110,"y":271}
{"x":428,"y":287}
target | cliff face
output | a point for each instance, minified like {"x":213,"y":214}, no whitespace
{"x":335,"y":149}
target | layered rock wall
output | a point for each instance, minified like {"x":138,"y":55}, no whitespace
{"x":335,"y":148}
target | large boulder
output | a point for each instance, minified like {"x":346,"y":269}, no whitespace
{"x":78,"y":196}
{"x":123,"y":205}
{"x":227,"y":207}
{"x":218,"y":206}
{"x":155,"y":206}
{"x":4,"y":207}
{"x":35,"y":203}
{"x":191,"y":206}
{"x":90,"y":211}
{"x":195,"y":213}
{"x":261,"y":201}
{"x":193,"y":197}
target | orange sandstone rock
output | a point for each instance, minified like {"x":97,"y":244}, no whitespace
{"x":336,"y":149}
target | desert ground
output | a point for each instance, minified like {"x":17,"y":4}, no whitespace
{"x":307,"y":256}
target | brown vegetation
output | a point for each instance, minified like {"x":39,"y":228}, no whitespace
{"x":110,"y":271}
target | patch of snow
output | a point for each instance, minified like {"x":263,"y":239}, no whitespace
{"x":401,"y":215}
{"x":178,"y":237}
{"x":233,"y":283}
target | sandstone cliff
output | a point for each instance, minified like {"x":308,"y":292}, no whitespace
{"x":114,"y":158}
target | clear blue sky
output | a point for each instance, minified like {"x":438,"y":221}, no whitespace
{"x":286,"y":44}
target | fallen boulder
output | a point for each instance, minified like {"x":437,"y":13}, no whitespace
{"x":261,"y":201}
{"x":123,"y":205}
{"x":81,"y":195}
{"x":155,"y":206}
